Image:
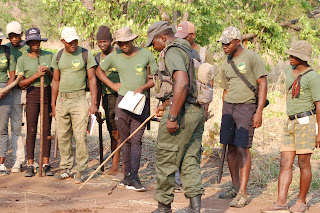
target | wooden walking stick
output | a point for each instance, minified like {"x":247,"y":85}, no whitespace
{"x":224,"y":148}
{"x":100,"y":121}
{"x":55,"y":150}
{"x":119,"y":147}
{"x":41,"y":124}
{"x":10,"y":86}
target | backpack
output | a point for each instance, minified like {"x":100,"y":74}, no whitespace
{"x":198,"y":93}
{"x":85,"y":59}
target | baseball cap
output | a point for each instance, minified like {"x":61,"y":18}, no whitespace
{"x":155,"y":29}
{"x":14,"y":27}
{"x":1,"y":34}
{"x":184,"y":29}
{"x":301,"y":49}
{"x":229,"y":34}
{"x":69,"y":34}
{"x":124,"y":34}
{"x":34,"y":34}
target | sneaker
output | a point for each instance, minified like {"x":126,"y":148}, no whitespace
{"x":30,"y":171}
{"x":239,"y":201}
{"x":299,"y":208}
{"x":16,"y":167}
{"x":47,"y":170}
{"x":3,"y":170}
{"x":63,"y":175}
{"x":77,"y":178}
{"x":125,"y":180}
{"x":134,"y":184}
{"x":231,"y":193}
{"x":275,"y":208}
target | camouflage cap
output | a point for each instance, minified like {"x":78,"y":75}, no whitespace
{"x":229,"y":34}
{"x":155,"y":29}
{"x":301,"y":49}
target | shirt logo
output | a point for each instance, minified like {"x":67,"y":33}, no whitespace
{"x":76,"y":63}
{"x":139,"y":69}
{"x":242,"y":67}
{"x":113,"y":69}
{"x":3,"y":60}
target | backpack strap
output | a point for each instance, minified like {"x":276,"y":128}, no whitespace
{"x":59,"y":56}
{"x":7,"y":54}
{"x":203,"y":54}
{"x":98,"y":58}
{"x":299,"y":76}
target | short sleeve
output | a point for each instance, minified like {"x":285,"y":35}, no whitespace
{"x":175,"y":60}
{"x":91,"y":61}
{"x":224,"y":81}
{"x":54,"y":62}
{"x":258,"y":66}
{"x":314,"y":86}
{"x":20,"y":67}
{"x":106,"y":63}
{"x":153,"y":64}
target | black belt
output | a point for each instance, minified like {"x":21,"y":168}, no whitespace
{"x":302,"y":114}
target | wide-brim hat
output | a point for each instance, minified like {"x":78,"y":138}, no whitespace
{"x":33,"y":34}
{"x":155,"y":29}
{"x":301,"y":49}
{"x":1,"y":34}
{"x":123,"y":34}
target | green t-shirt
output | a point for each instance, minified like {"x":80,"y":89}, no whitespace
{"x":177,"y":59}
{"x":132,"y":69}
{"x":111,"y":73}
{"x":309,"y":92}
{"x":17,"y":52}
{"x":250,"y":65}
{"x":72,"y":69}
{"x":4,"y":65}
{"x":29,"y":66}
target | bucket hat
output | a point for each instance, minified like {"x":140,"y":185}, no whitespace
{"x":34,"y":34}
{"x":156,"y":28}
{"x":124,"y":34}
{"x":1,"y":34}
{"x":184,"y":29}
{"x":301,"y":49}
{"x":229,"y":34}
{"x":69,"y":34}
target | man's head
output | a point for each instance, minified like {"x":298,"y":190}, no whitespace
{"x":158,"y":35}
{"x":104,"y":38}
{"x":186,"y":30}
{"x":69,"y":38}
{"x":231,"y":40}
{"x":299,"y":52}
{"x":124,"y":38}
{"x":14,"y":33}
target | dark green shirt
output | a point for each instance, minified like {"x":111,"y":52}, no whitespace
{"x":29,"y":66}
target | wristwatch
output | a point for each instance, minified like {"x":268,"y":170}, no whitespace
{"x":172,"y":118}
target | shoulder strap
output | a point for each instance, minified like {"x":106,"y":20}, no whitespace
{"x":251,"y":87}
{"x":98,"y":58}
{"x":85,"y":56}
{"x":299,"y":76}
{"x":7,"y":53}
{"x":59,"y":56}
{"x":203,"y":54}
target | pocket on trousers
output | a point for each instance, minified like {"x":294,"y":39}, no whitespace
{"x":166,"y":155}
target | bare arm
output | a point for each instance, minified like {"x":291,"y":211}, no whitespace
{"x":103,"y":77}
{"x":180,"y":92}
{"x":317,"y":103}
{"x":93,"y":90}
{"x":148,"y":85}
{"x":55,"y":90}
{"x":224,"y":94}
{"x":262,"y":95}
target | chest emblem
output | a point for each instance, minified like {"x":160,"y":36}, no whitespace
{"x":3,"y":60}
{"x":242,"y":67}
{"x":139,"y":69}
{"x":76,"y":63}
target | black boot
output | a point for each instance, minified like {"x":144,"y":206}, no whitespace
{"x":195,"y":204}
{"x":163,"y":208}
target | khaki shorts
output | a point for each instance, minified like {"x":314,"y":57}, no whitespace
{"x":299,"y":136}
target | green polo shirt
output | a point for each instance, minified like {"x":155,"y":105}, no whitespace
{"x":309,"y":92}
{"x":132,"y":69}
{"x":29,"y":66}
{"x":111,"y":73}
{"x":250,"y":65}
{"x":72,"y":70}
{"x":4,"y":65}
